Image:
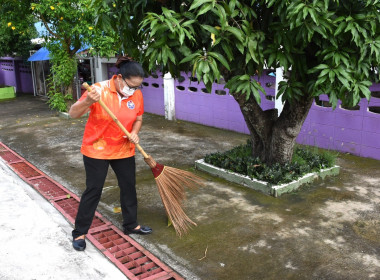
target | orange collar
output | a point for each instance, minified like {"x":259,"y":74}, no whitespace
{"x":112,"y":84}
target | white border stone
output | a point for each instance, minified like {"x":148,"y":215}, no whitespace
{"x":265,"y":187}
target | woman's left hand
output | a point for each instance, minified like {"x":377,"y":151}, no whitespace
{"x":134,"y":138}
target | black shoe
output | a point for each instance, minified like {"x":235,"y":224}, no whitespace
{"x":79,"y":244}
{"x":141,"y":230}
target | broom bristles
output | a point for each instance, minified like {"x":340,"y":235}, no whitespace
{"x":171,"y":184}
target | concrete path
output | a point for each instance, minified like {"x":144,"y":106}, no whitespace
{"x":36,"y":238}
{"x":328,"y":230}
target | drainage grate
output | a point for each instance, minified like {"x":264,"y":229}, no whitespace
{"x":48,"y":188}
{"x":25,"y":170}
{"x":69,"y":208}
{"x":129,"y":256}
{"x":9,"y":156}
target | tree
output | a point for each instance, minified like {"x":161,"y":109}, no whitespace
{"x":70,"y":27}
{"x":15,"y":36}
{"x":325,"y":47}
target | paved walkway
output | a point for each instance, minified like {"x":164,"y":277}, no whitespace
{"x":36,"y":238}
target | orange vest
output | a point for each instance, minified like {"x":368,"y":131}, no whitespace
{"x":102,"y":138}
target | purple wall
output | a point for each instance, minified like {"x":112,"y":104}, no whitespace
{"x":15,"y":72}
{"x":218,"y":108}
{"x":352,"y":131}
{"x":153,"y":92}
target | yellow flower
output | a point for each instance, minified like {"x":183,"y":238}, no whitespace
{"x":9,"y":24}
{"x":213,"y":38}
{"x":51,"y":7}
{"x":114,"y":4}
{"x":32,"y":8}
{"x":90,"y":28}
{"x":61,"y":18}
{"x":13,"y":28}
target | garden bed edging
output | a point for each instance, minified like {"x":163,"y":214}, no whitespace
{"x":265,"y":187}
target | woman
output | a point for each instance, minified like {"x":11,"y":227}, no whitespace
{"x":104,"y":144}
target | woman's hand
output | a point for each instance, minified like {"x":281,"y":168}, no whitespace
{"x":79,"y":108}
{"x":134,"y":138}
{"x":92,"y":97}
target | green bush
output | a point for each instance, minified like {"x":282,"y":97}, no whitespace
{"x":240,"y":160}
{"x":58,"y":101}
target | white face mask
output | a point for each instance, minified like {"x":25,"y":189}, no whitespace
{"x":126,"y":91}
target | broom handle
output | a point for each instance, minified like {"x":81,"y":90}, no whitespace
{"x":112,"y":115}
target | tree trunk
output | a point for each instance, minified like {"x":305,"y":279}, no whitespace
{"x":273,"y":137}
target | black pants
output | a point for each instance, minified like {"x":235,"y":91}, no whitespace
{"x":96,"y":172}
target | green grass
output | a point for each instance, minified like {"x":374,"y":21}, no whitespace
{"x":305,"y":160}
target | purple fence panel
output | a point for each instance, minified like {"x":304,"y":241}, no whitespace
{"x":15,"y":72}
{"x":218,"y":108}
{"x":355,"y":131}
{"x":153,"y":92}
{"x":8,"y":74}
{"x":371,"y":121}
{"x":371,"y":127}
{"x":26,"y":80}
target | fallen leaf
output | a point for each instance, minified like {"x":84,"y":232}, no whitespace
{"x":117,"y":209}
{"x":169,"y":222}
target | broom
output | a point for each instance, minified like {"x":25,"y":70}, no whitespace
{"x":171,"y":183}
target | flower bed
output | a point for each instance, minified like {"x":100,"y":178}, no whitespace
{"x":237,"y":165}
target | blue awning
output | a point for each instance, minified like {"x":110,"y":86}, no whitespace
{"x":43,"y":54}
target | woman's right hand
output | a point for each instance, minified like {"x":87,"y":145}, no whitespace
{"x":79,"y":108}
{"x":92,"y":96}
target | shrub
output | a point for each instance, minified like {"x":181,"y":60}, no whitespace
{"x":58,"y":101}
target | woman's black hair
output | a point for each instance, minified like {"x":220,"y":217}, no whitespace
{"x":129,"y":68}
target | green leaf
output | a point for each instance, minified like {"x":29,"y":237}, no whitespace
{"x":210,"y":29}
{"x":164,"y":53}
{"x":190,"y":57}
{"x":236,"y":32}
{"x":167,"y":13}
{"x":343,"y":81}
{"x":204,"y":9}
{"x":198,"y":3}
{"x":205,"y":67}
{"x":331,"y":76}
{"x":256,"y":93}
{"x":240,"y":47}
{"x":313,"y":16}
{"x":365,"y":91}
{"x":221,"y":59}
{"x":171,"y":56}
{"x":181,"y":37}
{"x":227,"y":49}
{"x":215,"y":70}
{"x":252,"y":45}
{"x":245,"y":77}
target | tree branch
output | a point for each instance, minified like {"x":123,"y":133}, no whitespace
{"x":48,"y":28}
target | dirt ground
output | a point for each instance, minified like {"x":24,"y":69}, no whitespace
{"x":327,"y":230}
